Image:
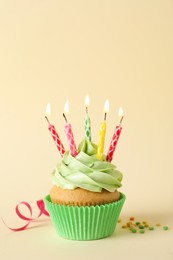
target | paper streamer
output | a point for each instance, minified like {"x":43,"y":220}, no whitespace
{"x":40,"y":205}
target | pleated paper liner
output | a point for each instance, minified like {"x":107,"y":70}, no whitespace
{"x":85,"y":222}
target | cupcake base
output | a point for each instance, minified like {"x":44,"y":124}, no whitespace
{"x":80,"y":197}
{"x":84,"y":222}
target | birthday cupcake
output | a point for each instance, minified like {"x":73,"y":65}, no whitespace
{"x":84,"y":203}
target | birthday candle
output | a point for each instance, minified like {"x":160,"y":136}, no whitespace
{"x":68,"y":132}
{"x":87,"y":122}
{"x":115,"y":138}
{"x":102,"y":132}
{"x":53,"y":132}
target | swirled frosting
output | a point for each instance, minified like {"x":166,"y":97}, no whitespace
{"x":86,"y":171}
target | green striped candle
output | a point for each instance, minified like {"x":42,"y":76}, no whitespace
{"x":87,"y":121}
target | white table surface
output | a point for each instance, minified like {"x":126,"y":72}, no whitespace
{"x":40,"y":240}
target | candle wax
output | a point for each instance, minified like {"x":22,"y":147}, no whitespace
{"x":101,"y":141}
{"x":87,"y":127}
{"x":70,"y":139}
{"x":56,"y":139}
{"x":113,"y":143}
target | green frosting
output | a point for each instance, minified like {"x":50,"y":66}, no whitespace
{"x":86,"y":171}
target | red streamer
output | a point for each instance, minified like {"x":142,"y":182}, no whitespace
{"x":40,"y":205}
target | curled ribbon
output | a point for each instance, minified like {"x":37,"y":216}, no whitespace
{"x":40,"y":205}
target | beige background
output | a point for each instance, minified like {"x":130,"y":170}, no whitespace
{"x":54,"y":50}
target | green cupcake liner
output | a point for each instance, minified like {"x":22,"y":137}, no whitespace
{"x":84,"y":222}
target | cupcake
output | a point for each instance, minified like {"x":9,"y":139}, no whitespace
{"x":84,"y":202}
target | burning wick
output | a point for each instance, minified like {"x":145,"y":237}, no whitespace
{"x":47,"y":119}
{"x":65,"y":118}
{"x":121,"y":114}
{"x":66,"y":110}
{"x":106,"y":109}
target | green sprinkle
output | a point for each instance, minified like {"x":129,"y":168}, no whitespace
{"x":138,"y":223}
{"x":165,"y":228}
{"x":141,"y":231}
{"x":151,"y":228}
{"x":141,"y":227}
{"x":133,"y":230}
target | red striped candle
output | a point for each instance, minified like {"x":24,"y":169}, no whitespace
{"x":69,"y":133}
{"x":70,"y":139}
{"x":115,"y":138}
{"x":54,"y":134}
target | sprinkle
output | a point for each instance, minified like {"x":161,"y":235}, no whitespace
{"x":141,"y":227}
{"x":151,"y":228}
{"x":129,"y":223}
{"x":165,"y":228}
{"x":141,"y":231}
{"x":158,"y":225}
{"x":124,"y":226}
{"x":138,"y":223}
{"x":133,"y":230}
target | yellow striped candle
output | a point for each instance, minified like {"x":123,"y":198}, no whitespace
{"x":102,"y":133}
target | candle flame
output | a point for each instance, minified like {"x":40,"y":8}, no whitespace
{"x":121,"y":112}
{"x":106,"y":106}
{"x":121,"y":115}
{"x":66,"y":107}
{"x":87,"y":101}
{"x":48,"y":110}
